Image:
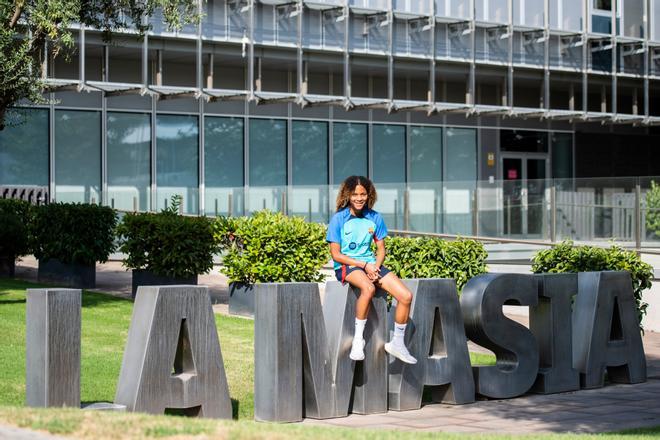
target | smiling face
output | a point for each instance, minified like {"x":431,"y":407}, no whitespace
{"x":358,"y":199}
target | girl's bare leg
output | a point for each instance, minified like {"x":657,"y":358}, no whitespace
{"x":359,"y":279}
{"x":396,"y":347}
{"x":393,"y":285}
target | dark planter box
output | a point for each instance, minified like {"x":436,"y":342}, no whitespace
{"x":143,"y":277}
{"x":241,"y":299}
{"x":79,"y":276}
{"x":7,"y":267}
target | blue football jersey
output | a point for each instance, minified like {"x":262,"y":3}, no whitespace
{"x":355,"y":234}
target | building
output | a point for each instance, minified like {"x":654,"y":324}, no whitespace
{"x":449,"y":105}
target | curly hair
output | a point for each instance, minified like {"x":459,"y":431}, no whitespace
{"x":348,"y":186}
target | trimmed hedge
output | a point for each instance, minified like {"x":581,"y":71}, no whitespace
{"x":73,"y":232}
{"x":434,"y":258}
{"x":15,"y":216}
{"x":270,"y":247}
{"x":565,"y":257}
{"x":167,"y":244}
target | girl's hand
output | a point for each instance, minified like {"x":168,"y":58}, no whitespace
{"x":372,"y":271}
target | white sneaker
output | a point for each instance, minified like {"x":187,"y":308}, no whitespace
{"x":357,"y":350}
{"x":400,"y":352}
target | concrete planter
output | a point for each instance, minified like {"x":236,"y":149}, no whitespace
{"x":241,"y":298}
{"x":79,"y":276}
{"x":143,"y":277}
{"x":7,"y":266}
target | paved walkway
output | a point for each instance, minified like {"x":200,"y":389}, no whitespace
{"x":611,"y":408}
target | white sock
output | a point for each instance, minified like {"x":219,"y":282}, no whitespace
{"x":399,"y":333}
{"x":359,"y":329}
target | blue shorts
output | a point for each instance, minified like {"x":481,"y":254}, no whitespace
{"x":344,"y":270}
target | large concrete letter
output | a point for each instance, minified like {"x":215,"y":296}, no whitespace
{"x":514,"y":345}
{"x":550,"y":321}
{"x":436,"y":337}
{"x":294,"y":346}
{"x":53,"y":347}
{"x":606,"y":331}
{"x":172,"y":359}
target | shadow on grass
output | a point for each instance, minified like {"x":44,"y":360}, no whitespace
{"x":234,"y":409}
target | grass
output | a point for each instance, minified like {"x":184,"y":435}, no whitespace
{"x":101,"y":426}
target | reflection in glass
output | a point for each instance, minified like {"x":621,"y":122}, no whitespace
{"x":177,"y":160}
{"x":389,"y":171}
{"x":460,"y":167}
{"x":223,"y":165}
{"x":78,"y":156}
{"x":129,"y":161}
{"x":24,"y":149}
{"x":267,"y":164}
{"x":349,"y":151}
{"x":308,"y":195}
{"x":425,"y":181}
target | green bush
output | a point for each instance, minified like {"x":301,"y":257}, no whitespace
{"x":270,"y":247}
{"x":167,"y":244}
{"x":73,"y":232}
{"x":565,"y":257}
{"x":15,"y":216}
{"x":434,"y":258}
{"x":653,"y":209}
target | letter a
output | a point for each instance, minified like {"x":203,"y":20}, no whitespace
{"x":606,"y":331}
{"x":172,"y":359}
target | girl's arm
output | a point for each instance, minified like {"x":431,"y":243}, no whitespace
{"x":380,"y":253}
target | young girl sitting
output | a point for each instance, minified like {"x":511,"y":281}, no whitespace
{"x":350,"y":234}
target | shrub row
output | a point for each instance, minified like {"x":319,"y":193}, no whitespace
{"x":267,"y":247}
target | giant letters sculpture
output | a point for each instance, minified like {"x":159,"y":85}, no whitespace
{"x":172,"y":358}
{"x":550,"y":322}
{"x":53,"y":347}
{"x":292,"y":329}
{"x":513,"y":344}
{"x":436,"y":337}
{"x":606,"y":331}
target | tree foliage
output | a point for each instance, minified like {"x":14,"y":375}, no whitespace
{"x":30,"y":29}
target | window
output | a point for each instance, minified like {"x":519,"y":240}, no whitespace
{"x":268,"y":176}
{"x":309,"y":194}
{"x":78,"y":156}
{"x":129,"y":161}
{"x":24,"y":149}
{"x":349,"y":151}
{"x":223,"y":165}
{"x":177,"y":164}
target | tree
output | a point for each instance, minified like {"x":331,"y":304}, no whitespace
{"x":28,"y":26}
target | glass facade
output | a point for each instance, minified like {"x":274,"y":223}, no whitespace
{"x":460,"y":179}
{"x":268,"y":164}
{"x":349,"y":151}
{"x":78,"y":156}
{"x":24,"y":149}
{"x":177,"y":163}
{"x":129,"y":161}
{"x":224,"y":165}
{"x":425,"y":179}
{"x":389,"y":172}
{"x":309,"y":162}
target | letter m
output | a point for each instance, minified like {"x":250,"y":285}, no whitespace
{"x":301,"y":347}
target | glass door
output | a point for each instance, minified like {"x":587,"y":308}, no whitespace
{"x":523,"y":190}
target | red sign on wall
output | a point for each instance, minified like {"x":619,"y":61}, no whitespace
{"x":512,"y":173}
